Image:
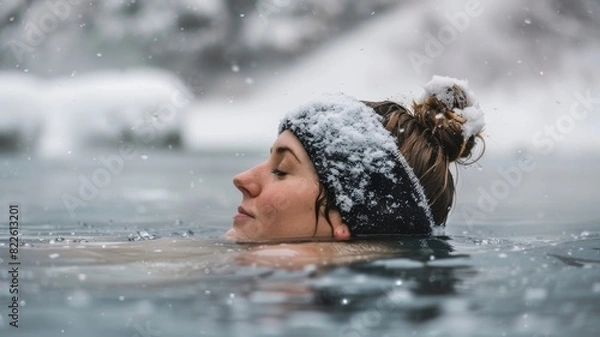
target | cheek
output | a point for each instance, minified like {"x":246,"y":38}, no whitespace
{"x":276,"y":205}
{"x":296,"y":201}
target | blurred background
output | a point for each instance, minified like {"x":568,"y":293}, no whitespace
{"x":198,"y":76}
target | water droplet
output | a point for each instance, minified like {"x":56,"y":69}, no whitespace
{"x":502,"y":255}
{"x":398,"y":282}
{"x":344,"y":301}
{"x":144,"y":156}
{"x":242,"y":15}
{"x":527,"y":21}
{"x":542,"y":73}
{"x":11,"y":19}
{"x":26,"y":70}
{"x":249,"y":81}
{"x":73,"y":73}
{"x":99,"y":54}
{"x":53,"y":255}
{"x":235,"y":68}
{"x":121,"y":298}
{"x":81,"y":277}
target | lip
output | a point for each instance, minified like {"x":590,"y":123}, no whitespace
{"x":242,"y":212}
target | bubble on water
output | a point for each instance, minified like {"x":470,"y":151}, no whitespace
{"x":206,"y":292}
{"x":235,"y":68}
{"x":144,"y":157}
{"x":99,"y":54}
{"x":11,"y":19}
{"x":249,"y":80}
{"x":344,"y":301}
{"x":584,"y":234}
{"x":53,"y":255}
{"x":121,"y":298}
{"x":59,"y":239}
{"x":596,"y":287}
{"x":502,"y":255}
{"x":82,"y":277}
{"x":398,"y":282}
{"x":242,"y":15}
{"x":527,"y":21}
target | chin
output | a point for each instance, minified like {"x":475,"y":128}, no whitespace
{"x":234,"y":235}
{"x":231,"y":235}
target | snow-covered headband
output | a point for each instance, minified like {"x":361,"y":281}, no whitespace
{"x":358,"y":161}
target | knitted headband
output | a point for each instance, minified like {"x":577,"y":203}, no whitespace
{"x":357,"y":160}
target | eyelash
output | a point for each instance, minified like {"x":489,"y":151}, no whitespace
{"x":277,"y":172}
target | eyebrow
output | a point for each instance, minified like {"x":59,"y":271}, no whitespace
{"x":283,"y":149}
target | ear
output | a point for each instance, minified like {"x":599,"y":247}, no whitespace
{"x":341,"y":232}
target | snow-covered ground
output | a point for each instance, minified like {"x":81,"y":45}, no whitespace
{"x":62,"y":116}
{"x":526,"y":108}
{"x":537,"y":88}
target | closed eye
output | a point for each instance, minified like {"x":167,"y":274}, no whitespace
{"x":278,"y":173}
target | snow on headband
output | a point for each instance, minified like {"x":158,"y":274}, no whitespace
{"x":358,"y":161}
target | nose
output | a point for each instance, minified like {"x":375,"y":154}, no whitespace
{"x":248,"y":182}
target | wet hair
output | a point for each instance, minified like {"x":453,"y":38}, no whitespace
{"x":430,"y":137}
{"x":324,"y":204}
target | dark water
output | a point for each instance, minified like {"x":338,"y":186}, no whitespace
{"x":528,"y":266}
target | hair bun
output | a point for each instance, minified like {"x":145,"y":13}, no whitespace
{"x":453,"y":114}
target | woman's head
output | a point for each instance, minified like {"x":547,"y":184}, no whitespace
{"x":342,"y":167}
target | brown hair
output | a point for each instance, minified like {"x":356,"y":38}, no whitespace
{"x":430,"y":138}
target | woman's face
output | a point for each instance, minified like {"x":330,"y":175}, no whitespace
{"x":278,"y":199}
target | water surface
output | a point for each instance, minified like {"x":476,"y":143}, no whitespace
{"x":144,"y":257}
